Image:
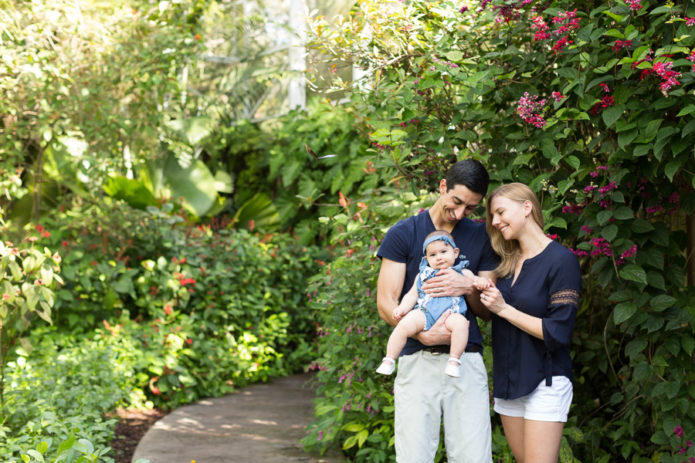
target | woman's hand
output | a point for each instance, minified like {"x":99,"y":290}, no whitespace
{"x":493,"y":300}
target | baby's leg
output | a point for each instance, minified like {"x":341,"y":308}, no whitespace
{"x":458,"y":325}
{"x":410,"y":325}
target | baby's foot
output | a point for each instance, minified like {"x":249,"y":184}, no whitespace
{"x":453,"y":367}
{"x":387,"y":366}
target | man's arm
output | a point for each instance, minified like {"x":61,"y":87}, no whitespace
{"x":388,"y":289}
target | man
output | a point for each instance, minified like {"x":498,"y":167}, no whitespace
{"x":424,"y":395}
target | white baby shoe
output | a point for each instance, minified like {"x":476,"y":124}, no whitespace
{"x":453,"y":370}
{"x":387,"y":366}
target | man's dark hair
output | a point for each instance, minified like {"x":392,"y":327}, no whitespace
{"x":469,"y":173}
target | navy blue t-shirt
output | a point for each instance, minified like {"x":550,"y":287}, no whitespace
{"x":547,"y":287}
{"x":403,"y":244}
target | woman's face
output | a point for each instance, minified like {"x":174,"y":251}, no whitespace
{"x":509,"y":216}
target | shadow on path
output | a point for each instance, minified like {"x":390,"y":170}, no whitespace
{"x":261,"y":423}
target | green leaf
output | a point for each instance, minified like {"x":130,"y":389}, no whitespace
{"x":641,"y":150}
{"x":259,"y":209}
{"x":688,"y":129}
{"x":634,"y":272}
{"x":614,"y":33}
{"x":612,"y":114}
{"x":134,"y":192}
{"x":662,"y":302}
{"x":688,"y":344}
{"x":609,"y":232}
{"x":623,"y":311}
{"x":361,"y":437}
{"x":604,"y":216}
{"x":671,"y":169}
{"x":641,"y":226}
{"x":625,"y":138}
{"x":687,"y":110}
{"x":636,"y":346}
{"x":623,"y":213}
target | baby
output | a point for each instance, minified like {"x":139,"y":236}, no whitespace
{"x":440,"y":252}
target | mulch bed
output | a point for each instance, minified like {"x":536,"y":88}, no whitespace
{"x":132,"y":426}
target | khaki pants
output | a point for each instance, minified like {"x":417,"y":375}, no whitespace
{"x":424,"y":395}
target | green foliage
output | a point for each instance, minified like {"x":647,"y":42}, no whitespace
{"x":600,"y":128}
{"x":27,"y":277}
{"x":62,"y":389}
{"x":83,"y":88}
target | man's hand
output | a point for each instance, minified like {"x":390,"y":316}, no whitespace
{"x":449,"y":282}
{"x":438,"y":334}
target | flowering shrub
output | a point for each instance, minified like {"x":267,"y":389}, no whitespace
{"x":592,"y":107}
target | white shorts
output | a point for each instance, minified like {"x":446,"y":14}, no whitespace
{"x":545,"y":403}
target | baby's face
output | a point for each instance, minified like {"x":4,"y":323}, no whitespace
{"x":440,"y":255}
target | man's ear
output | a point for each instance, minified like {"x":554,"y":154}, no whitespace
{"x":442,"y":186}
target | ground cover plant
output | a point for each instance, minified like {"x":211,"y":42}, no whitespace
{"x":590,"y":104}
{"x":202,"y":311}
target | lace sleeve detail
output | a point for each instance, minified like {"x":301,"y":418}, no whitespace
{"x":565,"y":296}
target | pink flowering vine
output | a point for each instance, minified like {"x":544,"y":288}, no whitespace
{"x":530,"y":109}
{"x":566,"y":22}
{"x":557,"y":96}
{"x":691,"y":58}
{"x":634,"y":5}
{"x":689,"y":21}
{"x":626,"y":255}
{"x":620,"y":44}
{"x":667,"y":74}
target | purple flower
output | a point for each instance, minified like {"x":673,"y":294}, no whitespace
{"x":678,"y":431}
{"x":463,"y":9}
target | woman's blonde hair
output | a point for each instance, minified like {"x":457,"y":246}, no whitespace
{"x":510,"y":250}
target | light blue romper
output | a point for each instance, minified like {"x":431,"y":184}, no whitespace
{"x":434,"y":307}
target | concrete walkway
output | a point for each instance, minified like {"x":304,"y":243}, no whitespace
{"x":261,"y":423}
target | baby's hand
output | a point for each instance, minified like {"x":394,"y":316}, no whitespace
{"x":397,"y":313}
{"x":481,"y":283}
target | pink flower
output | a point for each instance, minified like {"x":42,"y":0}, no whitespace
{"x":579,"y":252}
{"x":634,"y":5}
{"x":621,"y":44}
{"x":689,"y":21}
{"x":529,"y":108}
{"x":561,"y":44}
{"x":586,"y":229}
{"x":558,"y":96}
{"x":653,"y":209}
{"x":605,"y":87}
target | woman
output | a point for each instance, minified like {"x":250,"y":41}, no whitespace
{"x":534,"y":306}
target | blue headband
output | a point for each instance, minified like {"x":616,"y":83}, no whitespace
{"x":444,"y":238}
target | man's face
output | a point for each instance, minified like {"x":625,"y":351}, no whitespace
{"x":458,"y":202}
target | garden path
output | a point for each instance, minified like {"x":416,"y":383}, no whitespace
{"x":261,"y":423}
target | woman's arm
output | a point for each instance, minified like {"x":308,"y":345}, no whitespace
{"x":492,"y":299}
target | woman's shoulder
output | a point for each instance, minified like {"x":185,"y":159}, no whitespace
{"x":563,"y":263}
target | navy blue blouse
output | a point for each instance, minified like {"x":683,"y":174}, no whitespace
{"x":403,"y":244}
{"x":547,"y":287}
